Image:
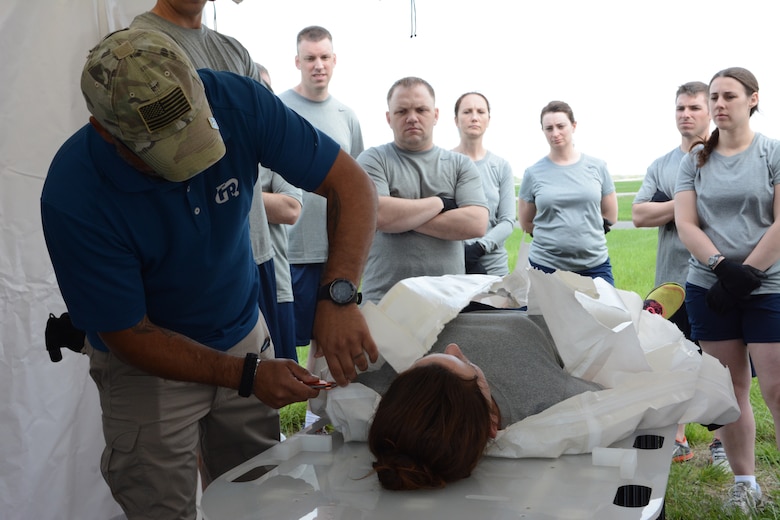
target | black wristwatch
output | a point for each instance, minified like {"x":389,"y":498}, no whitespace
{"x":340,"y":291}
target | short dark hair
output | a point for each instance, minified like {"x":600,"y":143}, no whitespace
{"x":457,"y":103}
{"x":409,"y":82}
{"x":692,"y":88}
{"x":557,"y":106}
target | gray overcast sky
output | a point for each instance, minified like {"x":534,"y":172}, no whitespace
{"x":616,"y":63}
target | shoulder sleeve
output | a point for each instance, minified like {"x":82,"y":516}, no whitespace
{"x":507,"y":206}
{"x":607,"y":184}
{"x":468,"y":188}
{"x":526,"y":187}
{"x":649,"y":185}
{"x":374,"y":161}
{"x":687,"y":172}
{"x":279,"y":185}
{"x":773,"y":160}
{"x":357,"y":147}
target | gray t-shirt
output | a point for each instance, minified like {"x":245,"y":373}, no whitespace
{"x":271,"y":182}
{"x":499,"y":185}
{"x":671,"y":261}
{"x":517,"y":355}
{"x":568,"y":226}
{"x":209,"y":49}
{"x":734,"y":201}
{"x":416,"y":175}
{"x":308,"y":237}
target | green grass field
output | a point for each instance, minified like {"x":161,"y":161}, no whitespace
{"x":695,"y":490}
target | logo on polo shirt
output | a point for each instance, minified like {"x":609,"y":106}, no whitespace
{"x":226,"y":190}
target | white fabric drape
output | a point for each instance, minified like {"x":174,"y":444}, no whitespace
{"x":50,"y":434}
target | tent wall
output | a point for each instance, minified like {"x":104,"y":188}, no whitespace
{"x":50,"y":435}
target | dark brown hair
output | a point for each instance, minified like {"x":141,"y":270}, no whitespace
{"x":460,"y":99}
{"x":557,"y":106}
{"x":430,"y":428}
{"x":750,"y":83}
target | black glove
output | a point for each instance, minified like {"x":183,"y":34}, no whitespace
{"x":738,"y":279}
{"x":607,"y":226}
{"x":474,"y":252}
{"x":448,"y":204}
{"x":663,"y":197}
{"x":660,"y":196}
{"x":718,"y":299}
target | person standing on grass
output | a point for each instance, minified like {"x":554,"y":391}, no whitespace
{"x":654,"y":207}
{"x":567,"y":202}
{"x":727,"y":204}
{"x":308,"y":238}
{"x":430,"y":199}
{"x":487,"y":254}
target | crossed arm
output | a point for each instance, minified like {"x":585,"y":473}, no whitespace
{"x":397,"y":215}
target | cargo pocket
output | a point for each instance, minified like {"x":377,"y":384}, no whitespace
{"x":120,"y":465}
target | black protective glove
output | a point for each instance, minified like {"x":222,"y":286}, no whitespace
{"x":607,"y":226}
{"x":735,"y":282}
{"x":473,"y":253}
{"x":660,"y":196}
{"x":738,"y":279}
{"x":718,"y":299}
{"x":448,"y":204}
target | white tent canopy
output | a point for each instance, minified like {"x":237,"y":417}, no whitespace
{"x":50,"y":435}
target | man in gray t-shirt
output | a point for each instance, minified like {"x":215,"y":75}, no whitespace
{"x":430,"y":199}
{"x":308,"y":237}
{"x":654,"y":207}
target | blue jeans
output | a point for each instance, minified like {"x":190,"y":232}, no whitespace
{"x":600,"y":271}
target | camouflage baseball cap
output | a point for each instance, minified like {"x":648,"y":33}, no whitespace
{"x":140,"y":85}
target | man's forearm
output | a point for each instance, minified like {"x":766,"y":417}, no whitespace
{"x":652,"y":214}
{"x":170,"y":355}
{"x":397,"y":215}
{"x":457,"y":224}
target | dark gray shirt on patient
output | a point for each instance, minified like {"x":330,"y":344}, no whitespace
{"x":517,"y":355}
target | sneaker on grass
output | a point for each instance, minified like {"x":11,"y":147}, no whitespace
{"x":682,"y":452}
{"x":743,"y":497}
{"x":718,"y":455}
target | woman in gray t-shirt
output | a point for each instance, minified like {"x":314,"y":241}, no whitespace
{"x":487,"y":254}
{"x":726,"y":208}
{"x":567,"y":202}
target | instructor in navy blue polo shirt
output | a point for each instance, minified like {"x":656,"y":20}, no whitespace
{"x":144,"y":213}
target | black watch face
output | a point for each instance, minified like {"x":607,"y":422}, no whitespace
{"x":342,"y":291}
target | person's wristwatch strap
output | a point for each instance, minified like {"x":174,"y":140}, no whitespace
{"x":247,"y":385}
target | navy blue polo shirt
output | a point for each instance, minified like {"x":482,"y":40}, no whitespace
{"x":124,"y":244}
